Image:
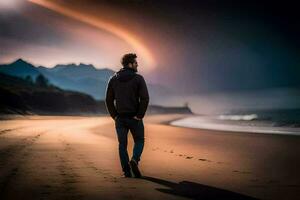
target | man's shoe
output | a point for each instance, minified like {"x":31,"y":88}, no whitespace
{"x":135,"y":169}
{"x":127,"y":174}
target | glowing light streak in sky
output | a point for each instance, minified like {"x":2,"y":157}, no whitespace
{"x":143,"y":52}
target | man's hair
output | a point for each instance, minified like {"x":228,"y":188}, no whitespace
{"x":128,"y":58}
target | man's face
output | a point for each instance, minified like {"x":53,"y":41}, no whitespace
{"x":134,"y":65}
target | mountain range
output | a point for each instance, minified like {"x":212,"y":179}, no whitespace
{"x":84,"y":78}
{"x":72,"y":89}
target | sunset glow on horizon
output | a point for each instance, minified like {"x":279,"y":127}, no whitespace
{"x":140,"y":49}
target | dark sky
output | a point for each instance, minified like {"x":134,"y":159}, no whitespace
{"x":189,"y":46}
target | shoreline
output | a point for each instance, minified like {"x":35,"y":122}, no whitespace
{"x":181,"y":121}
{"x":201,"y":123}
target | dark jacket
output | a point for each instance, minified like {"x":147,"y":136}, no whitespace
{"x":129,"y":91}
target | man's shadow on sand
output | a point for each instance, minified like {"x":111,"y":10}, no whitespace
{"x":196,"y":191}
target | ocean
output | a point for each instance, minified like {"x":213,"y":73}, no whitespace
{"x":277,"y":121}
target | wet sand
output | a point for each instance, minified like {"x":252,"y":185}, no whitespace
{"x":77,"y":158}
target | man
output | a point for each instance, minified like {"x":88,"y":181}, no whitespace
{"x":129,"y":91}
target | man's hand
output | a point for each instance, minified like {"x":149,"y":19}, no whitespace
{"x":135,"y":117}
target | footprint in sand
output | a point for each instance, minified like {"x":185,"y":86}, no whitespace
{"x":154,"y":149}
{"x":242,"y":172}
{"x":204,"y":160}
{"x":188,"y":157}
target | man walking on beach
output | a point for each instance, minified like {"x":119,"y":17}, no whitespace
{"x":129,"y":91}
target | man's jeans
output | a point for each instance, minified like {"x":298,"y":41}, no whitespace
{"x":136,"y":127}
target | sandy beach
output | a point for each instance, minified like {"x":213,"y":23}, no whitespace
{"x":48,"y":157}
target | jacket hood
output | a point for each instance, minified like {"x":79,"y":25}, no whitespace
{"x":125,"y":74}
